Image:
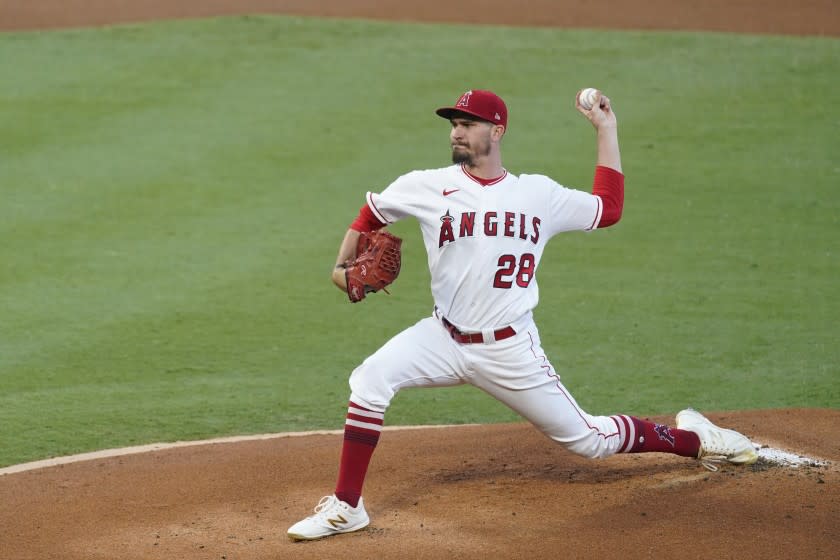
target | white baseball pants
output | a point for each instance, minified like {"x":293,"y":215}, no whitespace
{"x":515,"y":371}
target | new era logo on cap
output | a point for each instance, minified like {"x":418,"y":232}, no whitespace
{"x":480,"y":103}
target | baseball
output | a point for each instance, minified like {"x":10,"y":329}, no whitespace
{"x":587,"y":98}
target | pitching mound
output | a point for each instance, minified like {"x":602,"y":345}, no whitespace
{"x":440,"y":493}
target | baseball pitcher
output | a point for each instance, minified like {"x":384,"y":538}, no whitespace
{"x":485,"y":230}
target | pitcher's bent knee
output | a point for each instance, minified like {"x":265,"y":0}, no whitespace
{"x":371,"y":390}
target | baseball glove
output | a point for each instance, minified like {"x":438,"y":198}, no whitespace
{"x":377,"y":264}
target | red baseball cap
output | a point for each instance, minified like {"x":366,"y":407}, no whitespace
{"x":479,"y":103}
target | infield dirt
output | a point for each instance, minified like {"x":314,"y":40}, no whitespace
{"x":498,"y":491}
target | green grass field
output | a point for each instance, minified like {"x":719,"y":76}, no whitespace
{"x":174,"y":195}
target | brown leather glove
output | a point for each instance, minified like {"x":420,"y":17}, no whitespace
{"x":377,"y":264}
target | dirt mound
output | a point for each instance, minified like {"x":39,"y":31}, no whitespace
{"x":463,"y":492}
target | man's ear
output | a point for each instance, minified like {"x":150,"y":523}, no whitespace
{"x":497,"y":132}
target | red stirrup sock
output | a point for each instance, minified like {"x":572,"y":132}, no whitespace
{"x":644,"y":436}
{"x":361,"y":434}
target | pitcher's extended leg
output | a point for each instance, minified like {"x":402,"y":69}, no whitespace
{"x":519,"y":374}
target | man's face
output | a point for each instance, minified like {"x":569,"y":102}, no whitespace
{"x":470,"y":140}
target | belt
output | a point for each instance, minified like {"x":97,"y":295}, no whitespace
{"x":474,"y":338}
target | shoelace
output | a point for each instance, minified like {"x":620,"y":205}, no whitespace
{"x":719,"y":453}
{"x":711,"y":462}
{"x":323,"y":505}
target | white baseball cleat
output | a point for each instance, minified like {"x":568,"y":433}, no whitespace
{"x":717,"y":444}
{"x":332,"y":517}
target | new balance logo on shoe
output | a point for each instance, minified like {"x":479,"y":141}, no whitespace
{"x":340,"y":520}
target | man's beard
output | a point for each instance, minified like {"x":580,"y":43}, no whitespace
{"x":462,"y":156}
{"x":468,"y":158}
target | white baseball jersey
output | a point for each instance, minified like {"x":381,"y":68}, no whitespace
{"x":484,"y":242}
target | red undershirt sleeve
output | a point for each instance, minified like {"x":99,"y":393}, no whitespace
{"x":609,"y":185}
{"x":366,"y":220}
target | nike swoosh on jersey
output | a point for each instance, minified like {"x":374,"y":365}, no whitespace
{"x":447,"y":193}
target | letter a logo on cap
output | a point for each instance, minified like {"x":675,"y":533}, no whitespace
{"x":465,"y":100}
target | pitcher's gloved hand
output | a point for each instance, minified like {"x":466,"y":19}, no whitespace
{"x":377,"y":264}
